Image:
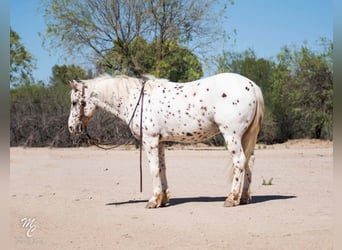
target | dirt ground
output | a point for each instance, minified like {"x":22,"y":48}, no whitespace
{"x":87,"y":198}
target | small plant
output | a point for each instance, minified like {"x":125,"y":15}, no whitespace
{"x":262,"y":146}
{"x":267,"y":183}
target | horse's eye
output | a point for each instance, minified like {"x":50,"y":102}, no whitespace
{"x":74,"y":104}
{"x":83,"y":103}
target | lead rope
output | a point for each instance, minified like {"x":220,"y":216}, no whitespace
{"x":94,"y":142}
{"x":141,"y":132}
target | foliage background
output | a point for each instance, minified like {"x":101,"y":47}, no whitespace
{"x":296,"y":83}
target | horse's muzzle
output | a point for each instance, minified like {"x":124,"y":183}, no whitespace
{"x":78,"y":129}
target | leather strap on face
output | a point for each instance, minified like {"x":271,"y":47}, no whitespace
{"x":82,"y":104}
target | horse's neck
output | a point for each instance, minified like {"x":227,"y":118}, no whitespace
{"x":115,"y":99}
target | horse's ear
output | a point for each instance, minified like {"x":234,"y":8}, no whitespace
{"x":73,"y":85}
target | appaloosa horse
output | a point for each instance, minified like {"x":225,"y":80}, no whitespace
{"x":185,"y":112}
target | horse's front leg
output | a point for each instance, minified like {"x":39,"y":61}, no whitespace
{"x":151,"y":145}
{"x":162,"y":168}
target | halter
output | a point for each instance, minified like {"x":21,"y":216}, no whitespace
{"x":82,"y":116}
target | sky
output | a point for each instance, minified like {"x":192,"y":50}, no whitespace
{"x":262,"y":25}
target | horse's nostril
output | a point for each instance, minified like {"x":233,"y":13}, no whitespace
{"x":71,"y":129}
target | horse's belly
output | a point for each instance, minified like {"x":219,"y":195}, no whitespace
{"x":190,"y":134}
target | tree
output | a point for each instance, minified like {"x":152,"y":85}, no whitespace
{"x":181,"y":21}
{"x":178,"y":64}
{"x":305,"y":92}
{"x":64,"y":73}
{"x":100,"y":29}
{"x":21,"y":61}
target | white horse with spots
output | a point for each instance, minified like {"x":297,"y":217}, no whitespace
{"x":183,"y":112}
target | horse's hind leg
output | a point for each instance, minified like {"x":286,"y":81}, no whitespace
{"x":235,"y":148}
{"x":246,"y":195}
{"x":162,"y":169}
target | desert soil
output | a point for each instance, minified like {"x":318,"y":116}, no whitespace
{"x":87,"y":198}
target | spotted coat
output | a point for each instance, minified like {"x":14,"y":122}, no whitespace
{"x":185,"y":112}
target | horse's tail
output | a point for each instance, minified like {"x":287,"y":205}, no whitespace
{"x":249,"y":138}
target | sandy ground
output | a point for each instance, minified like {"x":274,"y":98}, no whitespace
{"x":87,"y":198}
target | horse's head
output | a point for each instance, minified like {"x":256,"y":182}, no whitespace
{"x":82,"y":109}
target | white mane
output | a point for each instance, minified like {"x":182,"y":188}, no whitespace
{"x":106,"y":84}
{"x":150,"y":77}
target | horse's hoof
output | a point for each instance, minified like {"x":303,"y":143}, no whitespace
{"x":244,"y":201}
{"x":151,"y":204}
{"x":229,"y":203}
{"x":156,"y":201}
{"x":232,"y":200}
{"x":166,"y":198}
{"x":161,"y":201}
{"x":245,"y":198}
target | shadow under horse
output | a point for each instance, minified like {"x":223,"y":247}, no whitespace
{"x":204,"y":199}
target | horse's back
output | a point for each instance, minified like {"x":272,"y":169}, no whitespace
{"x":229,"y":81}
{"x":225,"y":90}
